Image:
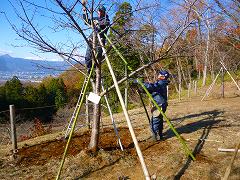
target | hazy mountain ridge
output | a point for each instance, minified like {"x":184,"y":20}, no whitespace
{"x":11,"y":64}
{"x":29,"y":70}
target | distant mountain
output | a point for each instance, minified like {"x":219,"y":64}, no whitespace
{"x":11,"y":64}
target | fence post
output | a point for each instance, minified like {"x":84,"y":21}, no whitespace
{"x":13,"y":129}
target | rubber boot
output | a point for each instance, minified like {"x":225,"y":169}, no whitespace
{"x":161,"y":138}
{"x":156,"y":137}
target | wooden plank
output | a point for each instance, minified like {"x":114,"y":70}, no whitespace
{"x":227,"y":150}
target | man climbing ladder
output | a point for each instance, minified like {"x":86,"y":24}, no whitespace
{"x":101,"y":24}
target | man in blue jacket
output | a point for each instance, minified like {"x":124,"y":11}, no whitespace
{"x":101,"y":23}
{"x":158,"y":91}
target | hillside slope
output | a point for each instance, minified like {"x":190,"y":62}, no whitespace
{"x":215,"y":120}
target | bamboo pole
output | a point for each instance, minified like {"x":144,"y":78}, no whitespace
{"x":185,"y":147}
{"x":201,"y":139}
{"x":135,"y":141}
{"x":74,"y":124}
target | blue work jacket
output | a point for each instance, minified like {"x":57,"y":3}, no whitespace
{"x":158,"y":91}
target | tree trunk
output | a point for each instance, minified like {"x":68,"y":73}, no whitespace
{"x":205,"y":62}
{"x":206,"y":58}
{"x":179,"y":74}
{"x":183,"y":74}
{"x":93,"y":145}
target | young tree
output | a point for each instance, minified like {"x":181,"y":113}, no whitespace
{"x":65,"y":17}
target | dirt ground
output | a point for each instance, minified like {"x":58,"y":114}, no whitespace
{"x":215,"y":121}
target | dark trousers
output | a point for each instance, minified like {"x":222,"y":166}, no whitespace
{"x":88,"y":56}
{"x":157,"y":123}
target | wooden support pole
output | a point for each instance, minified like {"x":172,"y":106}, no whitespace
{"x":113,"y":121}
{"x":189,"y":89}
{"x":222,"y":83}
{"x":230,"y":75}
{"x":13,"y":129}
{"x":227,"y":150}
{"x":135,"y":141}
{"x":195,"y":87}
{"x":126,"y":87}
{"x":167,"y":92}
{"x":211,"y":86}
{"x":207,"y":140}
{"x":87,"y":113}
{"x":179,"y":91}
{"x":145,"y":109}
{"x":228,"y":170}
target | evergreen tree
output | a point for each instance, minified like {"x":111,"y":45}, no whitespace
{"x":60,"y":98}
{"x":3,"y":103}
{"x":55,"y":84}
{"x":31,"y":96}
{"x":14,"y":91}
{"x":123,"y":24}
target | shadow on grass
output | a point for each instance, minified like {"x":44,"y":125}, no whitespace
{"x":206,"y":124}
{"x":192,"y":127}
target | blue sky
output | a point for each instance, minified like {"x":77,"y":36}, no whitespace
{"x":11,"y":44}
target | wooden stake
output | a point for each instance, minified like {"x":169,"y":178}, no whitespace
{"x":179,"y":91}
{"x":227,"y":150}
{"x":113,"y":122}
{"x":228,"y":170}
{"x":211,"y":86}
{"x":195,"y":87}
{"x":87,"y":113}
{"x":13,"y":129}
{"x":189,"y":89}
{"x":135,"y":141}
{"x":222,"y":83}
{"x":230,"y":75}
{"x":126,"y":87}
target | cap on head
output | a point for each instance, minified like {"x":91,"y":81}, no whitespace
{"x":101,"y":8}
{"x":164,"y":73}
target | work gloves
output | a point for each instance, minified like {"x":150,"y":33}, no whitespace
{"x":135,"y":81}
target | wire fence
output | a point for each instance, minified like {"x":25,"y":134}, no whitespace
{"x":31,"y":128}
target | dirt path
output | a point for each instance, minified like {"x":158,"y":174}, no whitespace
{"x":216,"y":120}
